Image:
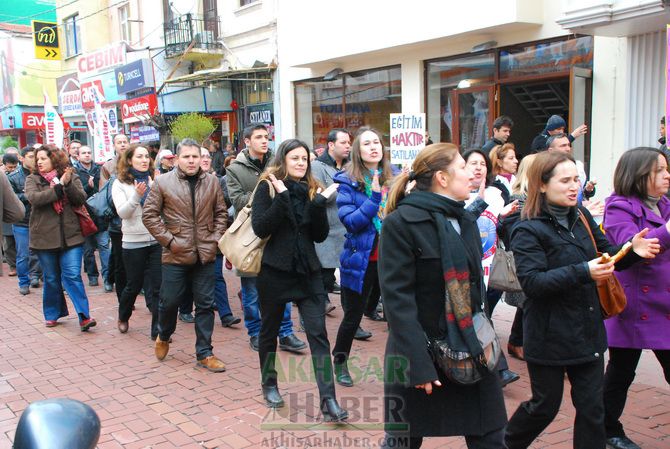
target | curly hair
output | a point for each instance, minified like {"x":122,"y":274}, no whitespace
{"x":59,"y":158}
{"x":124,"y":164}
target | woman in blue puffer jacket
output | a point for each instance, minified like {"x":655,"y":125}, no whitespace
{"x":361,"y":200}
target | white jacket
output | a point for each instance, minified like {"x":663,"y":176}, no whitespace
{"x":127,"y":203}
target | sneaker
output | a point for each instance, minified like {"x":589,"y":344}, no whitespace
{"x":108,"y":286}
{"x":508,"y":376}
{"x":362,"y":334}
{"x":186,"y":317}
{"x":229,"y":320}
{"x":87,"y":324}
{"x":375,"y":316}
{"x":24,"y":290}
{"x":291,"y":343}
{"x":93,"y":282}
{"x":35,"y":283}
{"x":213,"y":364}
{"x":336,"y":288}
{"x":253,"y":342}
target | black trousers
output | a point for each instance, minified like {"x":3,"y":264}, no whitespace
{"x":353,"y":305}
{"x":546,"y":382}
{"x":491,"y":440}
{"x":139,"y":261}
{"x":116,"y":264}
{"x":618,"y":378}
{"x":312,"y":309}
{"x":516,"y":333}
{"x":175,"y":279}
{"x":328,"y":276}
{"x":373,"y":299}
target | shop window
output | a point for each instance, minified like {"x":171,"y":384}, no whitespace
{"x":459,"y":86}
{"x":257,"y":92}
{"x":352,"y":100}
{"x":72,"y":36}
{"x":124,"y":24}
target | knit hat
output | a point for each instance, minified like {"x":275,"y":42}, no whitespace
{"x":555,"y":122}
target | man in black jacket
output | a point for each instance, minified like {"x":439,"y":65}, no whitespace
{"x":502,"y":128}
{"x":555,"y":125}
{"x":89,"y":174}
{"x":27,"y":265}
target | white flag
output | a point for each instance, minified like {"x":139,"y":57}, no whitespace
{"x":53,"y":125}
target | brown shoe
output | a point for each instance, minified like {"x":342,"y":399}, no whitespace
{"x":12,"y":272}
{"x":213,"y":364}
{"x":123,"y":326}
{"x":515,"y":351}
{"x":161,"y":349}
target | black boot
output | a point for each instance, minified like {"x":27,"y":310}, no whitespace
{"x":332,"y":412}
{"x":272,"y":397}
{"x":342,"y":375}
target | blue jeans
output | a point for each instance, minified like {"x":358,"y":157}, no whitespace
{"x":220,"y":289}
{"x":62,"y":270}
{"x":27,"y":265}
{"x":99,"y":240}
{"x":252,"y":314}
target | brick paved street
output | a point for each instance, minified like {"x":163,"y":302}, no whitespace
{"x":143,"y":403}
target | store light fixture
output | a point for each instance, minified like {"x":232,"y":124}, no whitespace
{"x":464,"y":84}
{"x":330,"y":76}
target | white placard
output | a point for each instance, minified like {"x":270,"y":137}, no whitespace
{"x":408,"y":137}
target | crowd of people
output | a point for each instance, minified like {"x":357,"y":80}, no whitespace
{"x":414,"y":246}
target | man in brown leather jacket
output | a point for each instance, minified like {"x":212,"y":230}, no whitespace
{"x":186,"y":213}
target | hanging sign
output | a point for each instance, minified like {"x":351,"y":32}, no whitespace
{"x":408,"y":137}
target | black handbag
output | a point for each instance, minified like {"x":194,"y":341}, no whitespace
{"x":503,"y":276}
{"x":461,"y":367}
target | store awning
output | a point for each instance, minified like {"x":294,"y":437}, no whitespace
{"x":263,"y":73}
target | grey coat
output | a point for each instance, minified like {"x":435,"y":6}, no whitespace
{"x":329,"y":250}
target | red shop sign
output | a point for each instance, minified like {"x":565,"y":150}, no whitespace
{"x":32,"y":120}
{"x":133,"y":110}
{"x":88,"y":95}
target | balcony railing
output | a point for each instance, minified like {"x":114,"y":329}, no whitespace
{"x":182,"y":30}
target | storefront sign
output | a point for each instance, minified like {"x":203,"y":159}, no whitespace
{"x":408,"y":133}
{"x":259,"y":114}
{"x":69,"y":96}
{"x":102,"y":60}
{"x":133,"y":76}
{"x":45,"y":38}
{"x":139,"y":133}
{"x":137,"y":109}
{"x":32,"y":120}
{"x":88,"y":94}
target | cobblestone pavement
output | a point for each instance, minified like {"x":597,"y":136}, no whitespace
{"x":144,"y":403}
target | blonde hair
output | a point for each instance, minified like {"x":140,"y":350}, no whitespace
{"x":520,"y":185}
{"x":434,"y":157}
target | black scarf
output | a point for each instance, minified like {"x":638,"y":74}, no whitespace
{"x":299,"y":192}
{"x":459,"y":265}
{"x":141,"y":176}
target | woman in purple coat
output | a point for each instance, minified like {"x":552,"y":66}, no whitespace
{"x":641,"y":180}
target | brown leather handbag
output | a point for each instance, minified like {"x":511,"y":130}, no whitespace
{"x":610,"y":291}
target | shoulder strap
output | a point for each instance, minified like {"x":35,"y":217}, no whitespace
{"x":588,"y":229}
{"x":253,"y":192}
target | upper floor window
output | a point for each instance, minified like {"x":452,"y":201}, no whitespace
{"x":72,"y":36}
{"x":124,"y":24}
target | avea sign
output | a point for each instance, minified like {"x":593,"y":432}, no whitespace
{"x":32,"y":120}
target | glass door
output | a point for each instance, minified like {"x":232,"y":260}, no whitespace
{"x":472,"y":116}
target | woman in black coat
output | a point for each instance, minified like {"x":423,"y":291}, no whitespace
{"x":415,"y":254}
{"x":293,"y":216}
{"x":563,"y":329}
